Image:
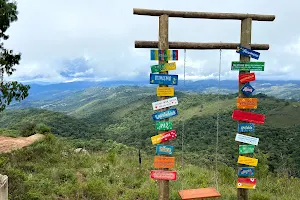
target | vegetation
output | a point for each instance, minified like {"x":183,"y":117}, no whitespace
{"x":11,"y":90}
{"x":52,"y":170}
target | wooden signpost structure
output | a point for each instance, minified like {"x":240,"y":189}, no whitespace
{"x":164,"y":44}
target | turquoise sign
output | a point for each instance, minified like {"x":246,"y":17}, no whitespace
{"x":164,"y":149}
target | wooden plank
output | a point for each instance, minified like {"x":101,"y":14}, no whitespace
{"x":198,"y":194}
{"x":203,"y":15}
{"x":198,"y":45}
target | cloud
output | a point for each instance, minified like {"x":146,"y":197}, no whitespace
{"x":71,"y":40}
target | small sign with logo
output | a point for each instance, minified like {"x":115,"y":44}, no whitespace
{"x":246,"y":171}
{"x":247,"y":89}
{"x":248,"y":77}
{"x":165,"y":91}
{"x":164,"y":162}
{"x":165,"y":114}
{"x":246,"y":149}
{"x":163,"y":137}
{"x":247,"y":52}
{"x":164,"y":149}
{"x":246,"y":128}
{"x":163,"y":175}
{"x":246,"y":103}
{"x":164,"y":126}
{"x":246,"y":183}
{"x":244,"y":160}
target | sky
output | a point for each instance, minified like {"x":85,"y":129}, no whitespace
{"x":72,"y":40}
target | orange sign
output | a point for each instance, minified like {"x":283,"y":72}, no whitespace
{"x":246,"y":103}
{"x":164,"y":162}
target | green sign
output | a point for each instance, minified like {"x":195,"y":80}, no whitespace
{"x":248,"y":66}
{"x":245,"y":149}
{"x":164,"y":126}
{"x":163,"y":67}
{"x":157,"y":68}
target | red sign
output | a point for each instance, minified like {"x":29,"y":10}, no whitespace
{"x":168,"y":135}
{"x":246,"y":183}
{"x":163,"y":175}
{"x":248,"y":117}
{"x":244,"y":78}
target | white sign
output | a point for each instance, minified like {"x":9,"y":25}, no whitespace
{"x":165,"y":103}
{"x":246,"y":139}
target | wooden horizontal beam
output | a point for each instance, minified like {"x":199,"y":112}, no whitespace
{"x":196,"y":45}
{"x":204,"y":15}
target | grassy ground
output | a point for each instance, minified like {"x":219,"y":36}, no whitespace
{"x":52,"y":170}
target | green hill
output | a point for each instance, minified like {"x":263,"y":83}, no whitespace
{"x":50,"y":169}
{"x":124,"y":115}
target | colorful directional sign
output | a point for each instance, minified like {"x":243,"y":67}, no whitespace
{"x":164,"y":54}
{"x":245,"y":171}
{"x":246,"y":127}
{"x":165,"y":91}
{"x":246,"y":103}
{"x":163,"y":137}
{"x":247,"y":52}
{"x":164,"y":149}
{"x":163,"y":175}
{"x":250,"y":117}
{"x":164,"y":126}
{"x":247,"y":89}
{"x":164,"y":162}
{"x":163,"y":67}
{"x":246,"y":183}
{"x":244,"y":160}
{"x":163,"y":79}
{"x":246,"y":149}
{"x":248,"y":66}
{"x":248,"y":77}
{"x":164,"y":103}
{"x":165,"y":114}
{"x":246,"y":139}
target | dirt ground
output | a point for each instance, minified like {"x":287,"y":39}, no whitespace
{"x":8,"y":144}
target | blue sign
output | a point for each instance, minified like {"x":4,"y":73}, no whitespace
{"x":163,"y":79}
{"x":246,"y":128}
{"x":245,"y":171}
{"x":165,"y":114}
{"x":164,"y":149}
{"x":247,"y":89}
{"x":247,"y":52}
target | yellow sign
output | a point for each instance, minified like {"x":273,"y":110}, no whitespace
{"x":247,"y":161}
{"x":165,"y":91}
{"x":169,"y":66}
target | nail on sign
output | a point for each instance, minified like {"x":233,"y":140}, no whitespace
{"x":246,"y":139}
{"x":244,"y":160}
{"x":164,"y":103}
{"x":246,"y":183}
{"x":163,"y":175}
{"x":163,"y":137}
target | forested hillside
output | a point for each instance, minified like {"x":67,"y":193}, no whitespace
{"x":124,"y":115}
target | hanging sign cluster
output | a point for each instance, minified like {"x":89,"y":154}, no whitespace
{"x":246,"y":174}
{"x":163,"y":160}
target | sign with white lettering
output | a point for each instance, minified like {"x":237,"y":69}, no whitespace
{"x":247,"y":52}
{"x":163,"y":79}
{"x":164,"y":149}
{"x":245,"y":171}
{"x":246,"y":139}
{"x":165,"y":103}
{"x":165,"y":114}
{"x":246,"y":128}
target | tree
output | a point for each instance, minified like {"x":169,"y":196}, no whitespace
{"x":10,"y":90}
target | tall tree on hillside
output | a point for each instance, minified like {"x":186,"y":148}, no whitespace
{"x":10,"y":90}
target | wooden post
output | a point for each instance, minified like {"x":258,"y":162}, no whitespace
{"x":163,"y":44}
{"x":246,"y":26}
{"x":3,"y":187}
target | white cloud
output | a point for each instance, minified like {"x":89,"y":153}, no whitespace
{"x":101,"y":35}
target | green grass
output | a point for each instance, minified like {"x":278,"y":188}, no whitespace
{"x":52,"y":170}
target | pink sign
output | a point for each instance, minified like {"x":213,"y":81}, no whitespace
{"x":163,"y":175}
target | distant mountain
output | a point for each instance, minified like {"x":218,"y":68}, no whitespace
{"x":278,"y":89}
